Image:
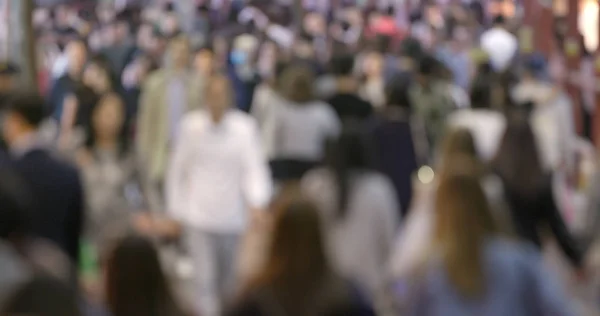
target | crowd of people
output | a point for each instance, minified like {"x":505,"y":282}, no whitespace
{"x":239,"y":160}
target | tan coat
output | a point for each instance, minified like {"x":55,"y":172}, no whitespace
{"x":153,"y":122}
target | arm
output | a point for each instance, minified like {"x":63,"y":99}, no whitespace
{"x":257,"y":184}
{"x":176,"y":188}
{"x":75,"y":218}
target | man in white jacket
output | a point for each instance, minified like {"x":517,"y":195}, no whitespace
{"x":217,"y":180}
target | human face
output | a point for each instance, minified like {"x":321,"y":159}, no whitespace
{"x":108,"y":118}
{"x":203,"y":62}
{"x":218,"y":94}
{"x":96,"y":78}
{"x":77,"y":55}
{"x":180,"y":52}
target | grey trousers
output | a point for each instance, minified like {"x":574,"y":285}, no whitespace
{"x":214,"y":257}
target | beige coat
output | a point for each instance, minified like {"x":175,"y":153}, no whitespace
{"x":153,"y":122}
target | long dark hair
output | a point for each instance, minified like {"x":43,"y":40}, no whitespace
{"x":517,"y":161}
{"x":91,"y":137}
{"x":135,"y":282}
{"x":349,"y":153}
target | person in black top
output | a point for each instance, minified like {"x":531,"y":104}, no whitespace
{"x":528,"y":189}
{"x":63,"y":87}
{"x":56,"y":190}
{"x":346,"y":102}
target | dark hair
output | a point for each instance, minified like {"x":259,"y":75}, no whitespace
{"x":350,"y":152}
{"x":43,"y":295}
{"x":90,"y":141}
{"x":297,"y":84}
{"x":28,"y":105}
{"x":481,"y":93}
{"x":428,"y":66}
{"x":296,"y":263}
{"x":397,"y":91}
{"x":15,"y":206}
{"x":517,"y":161}
{"x":499,"y":20}
{"x":136,"y":284}
{"x":342,"y":65}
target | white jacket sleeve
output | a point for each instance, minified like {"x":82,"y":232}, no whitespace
{"x":257,"y":185}
{"x":176,"y":185}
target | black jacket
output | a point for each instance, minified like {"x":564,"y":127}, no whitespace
{"x":57,"y":193}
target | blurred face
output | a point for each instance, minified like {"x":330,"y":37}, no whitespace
{"x":96,"y":78}
{"x":218,"y":96}
{"x":373,"y":65}
{"x":203,"y":62}
{"x":77,"y":55}
{"x":180,"y":52}
{"x":108,"y":118}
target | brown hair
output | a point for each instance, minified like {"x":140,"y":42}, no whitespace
{"x":296,"y":84}
{"x":517,"y":161}
{"x":135,"y":282}
{"x":459,"y":142}
{"x":463,"y":222}
{"x":296,"y":264}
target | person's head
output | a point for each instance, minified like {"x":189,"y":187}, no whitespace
{"x":43,"y":295}
{"x":179,"y":52}
{"x":135,"y":281}
{"x":342,"y":65}
{"x":517,"y":160}
{"x":373,"y":65}
{"x":204,"y":60}
{"x":107,"y":122}
{"x":428,"y":69}
{"x":297,"y":84}
{"x":347,"y":154}
{"x":457,"y":142}
{"x":144,"y":36}
{"x":8,"y":72}
{"x":296,"y":259}
{"x":397,"y":92}
{"x":23,"y":114}
{"x":97,"y":75}
{"x":462,"y":224}
{"x":499,"y":21}
{"x":76,"y":52}
{"x":481,"y":93}
{"x":219,"y":96}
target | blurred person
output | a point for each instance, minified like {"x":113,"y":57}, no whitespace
{"x":359,"y":209}
{"x":242,"y":70}
{"x":456,"y":56}
{"x":346,"y":102}
{"x":167,"y":95}
{"x":473,"y":270}
{"x":398,"y":146}
{"x":107,"y":166}
{"x":485,"y":124}
{"x":217,"y":181}
{"x":43,"y":296}
{"x":431,"y":98}
{"x":134,"y":77}
{"x":499,"y":44}
{"x":120,"y":52}
{"x":76,"y":57}
{"x":528,"y":190}
{"x":297,"y":278}
{"x":298,"y":127}
{"x":374,"y":85}
{"x":551,"y":115}
{"x":55,"y":186}
{"x":135,"y":283}
{"x":97,"y":81}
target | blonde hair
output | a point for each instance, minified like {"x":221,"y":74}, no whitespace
{"x":462,"y":224}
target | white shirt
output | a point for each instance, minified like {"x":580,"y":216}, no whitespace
{"x":501,"y":46}
{"x":217,"y":173}
{"x":486,"y":126}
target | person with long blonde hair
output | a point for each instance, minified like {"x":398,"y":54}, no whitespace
{"x":473,"y":270}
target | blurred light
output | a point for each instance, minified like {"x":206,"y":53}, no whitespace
{"x":426,"y":174}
